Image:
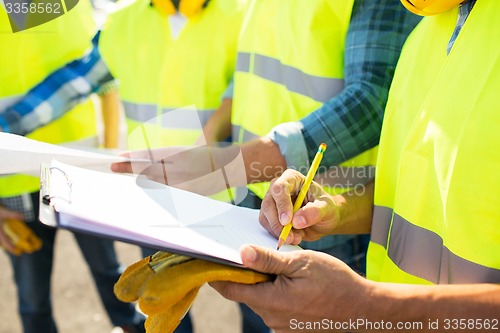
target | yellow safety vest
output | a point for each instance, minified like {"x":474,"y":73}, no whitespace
{"x":437,"y":217}
{"x":29,"y":56}
{"x":164,"y":74}
{"x":277,"y":80}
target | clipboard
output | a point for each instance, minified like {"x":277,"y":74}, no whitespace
{"x":216,"y":237}
{"x":47,"y":214}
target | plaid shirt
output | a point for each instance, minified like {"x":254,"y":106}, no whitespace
{"x":350,"y":123}
{"x":58,"y":93}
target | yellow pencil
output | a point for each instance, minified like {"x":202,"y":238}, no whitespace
{"x":303,"y":191}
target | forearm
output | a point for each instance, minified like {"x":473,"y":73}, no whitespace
{"x":460,"y":308}
{"x":110,"y":116}
{"x":263,"y":160}
{"x":218,"y":127}
{"x":355,"y":209}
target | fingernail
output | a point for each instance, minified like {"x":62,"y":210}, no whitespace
{"x":299,"y":222}
{"x":284,"y":219}
{"x":249,"y":254}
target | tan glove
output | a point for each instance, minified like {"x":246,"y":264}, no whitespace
{"x":21,"y":236}
{"x":167,"y":284}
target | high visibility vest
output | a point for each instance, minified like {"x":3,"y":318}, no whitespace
{"x":437,"y":217}
{"x":29,"y":56}
{"x":161,"y":75}
{"x":285,"y":75}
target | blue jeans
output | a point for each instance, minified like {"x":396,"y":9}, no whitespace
{"x":32,"y":274}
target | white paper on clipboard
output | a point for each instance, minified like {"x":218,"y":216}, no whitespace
{"x":157,"y":216}
{"x":24,"y":155}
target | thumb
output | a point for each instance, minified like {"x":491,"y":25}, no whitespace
{"x":264,"y":260}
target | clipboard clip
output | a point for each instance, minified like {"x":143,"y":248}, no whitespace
{"x":48,"y":181}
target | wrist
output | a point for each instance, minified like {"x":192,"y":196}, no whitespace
{"x":354,"y":215}
{"x":371,"y":302}
{"x":341,"y":213}
{"x":260,"y":167}
{"x":210,"y":136}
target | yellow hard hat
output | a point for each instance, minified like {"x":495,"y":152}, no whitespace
{"x":188,"y":8}
{"x":430,"y":7}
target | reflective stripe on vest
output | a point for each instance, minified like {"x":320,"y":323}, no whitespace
{"x":436,"y":218}
{"x":152,"y":127}
{"x":274,"y":83}
{"x":190,"y":72}
{"x":242,"y":135}
{"x":421,"y":252}
{"x":318,"y":88}
{"x":145,"y":113}
{"x":34,"y":54}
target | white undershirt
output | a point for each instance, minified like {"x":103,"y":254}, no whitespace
{"x":177,"y":23}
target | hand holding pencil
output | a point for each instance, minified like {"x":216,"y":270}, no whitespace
{"x":303,"y":191}
{"x":315,"y":213}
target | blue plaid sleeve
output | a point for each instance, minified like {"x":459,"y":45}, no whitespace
{"x":350,"y":122}
{"x":57,"y":93}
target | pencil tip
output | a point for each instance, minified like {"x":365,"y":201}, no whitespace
{"x":280,"y":242}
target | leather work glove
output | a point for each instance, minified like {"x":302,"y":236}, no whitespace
{"x":166,"y":285}
{"x":21,"y":236}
